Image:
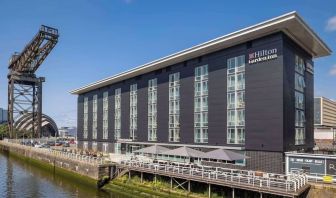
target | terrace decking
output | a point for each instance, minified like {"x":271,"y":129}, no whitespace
{"x":288,"y":186}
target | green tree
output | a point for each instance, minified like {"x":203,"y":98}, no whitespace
{"x":4,"y":131}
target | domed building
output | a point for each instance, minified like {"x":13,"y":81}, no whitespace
{"x":25,"y":123}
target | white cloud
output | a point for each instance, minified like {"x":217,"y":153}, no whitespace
{"x":333,"y":70}
{"x":331,"y":24}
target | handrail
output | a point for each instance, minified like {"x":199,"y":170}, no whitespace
{"x":66,"y":155}
{"x":287,"y":183}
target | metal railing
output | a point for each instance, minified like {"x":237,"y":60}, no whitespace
{"x":288,"y":183}
{"x":314,"y":177}
{"x":56,"y":153}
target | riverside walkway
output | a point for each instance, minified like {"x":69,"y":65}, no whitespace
{"x":292,"y":185}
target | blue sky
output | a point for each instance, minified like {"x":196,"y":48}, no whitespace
{"x":100,"y":38}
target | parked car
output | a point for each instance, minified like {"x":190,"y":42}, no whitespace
{"x":38,"y":145}
{"x":51,"y":143}
{"x":66,"y":144}
{"x":45,"y":146}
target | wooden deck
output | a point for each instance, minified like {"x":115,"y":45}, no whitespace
{"x":250,"y":185}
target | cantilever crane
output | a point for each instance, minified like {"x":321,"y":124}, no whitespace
{"x":24,"y":88}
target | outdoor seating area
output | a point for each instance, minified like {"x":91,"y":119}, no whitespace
{"x":189,"y":155}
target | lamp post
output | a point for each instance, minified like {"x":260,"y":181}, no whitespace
{"x":334,"y":130}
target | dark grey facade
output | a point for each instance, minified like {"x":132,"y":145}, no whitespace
{"x":269,"y":99}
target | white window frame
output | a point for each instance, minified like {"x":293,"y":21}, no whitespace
{"x":85,"y":117}
{"x":117,"y":113}
{"x":94,"y":116}
{"x":105,"y":115}
{"x":236,"y":100}
{"x":133,"y":111}
{"x":201,"y":104}
{"x":152,"y":109}
{"x":174,"y":107}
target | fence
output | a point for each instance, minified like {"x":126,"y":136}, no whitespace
{"x":63,"y":154}
{"x":315,"y":177}
{"x":278,"y":182}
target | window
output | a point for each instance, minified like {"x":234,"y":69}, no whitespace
{"x":85,"y":146}
{"x":231,"y":135}
{"x":201,"y":104}
{"x":174,"y":107}
{"x":241,"y":117}
{"x":241,"y":99}
{"x":231,"y":83}
{"x":105,"y":115}
{"x":133,"y":111}
{"x":152,"y":112}
{"x":236,"y":100}
{"x":299,"y":65}
{"x":241,"y":135}
{"x":299,"y":100}
{"x":105,"y":147}
{"x":85,"y":115}
{"x":94,"y":146}
{"x":236,"y":64}
{"x":117,"y":148}
{"x":299,"y":136}
{"x":299,"y":118}
{"x":94,"y":117}
{"x":299,"y":82}
{"x":300,"y":121}
{"x":117,"y":113}
{"x":231,"y":100}
{"x":231,"y":118}
{"x":241,"y":81}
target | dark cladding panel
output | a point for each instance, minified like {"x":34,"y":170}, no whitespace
{"x":290,"y":50}
{"x":142,"y":130}
{"x":125,"y":110}
{"x":264,"y":98}
{"x":100,"y":115}
{"x":162,"y":106}
{"x":309,"y":94}
{"x":110,"y":90}
{"x":217,"y":101}
{"x":187,"y":103}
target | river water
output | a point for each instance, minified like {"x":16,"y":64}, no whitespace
{"x":21,"y":179}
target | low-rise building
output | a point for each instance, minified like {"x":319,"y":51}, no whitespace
{"x":67,"y":131}
{"x":324,"y":122}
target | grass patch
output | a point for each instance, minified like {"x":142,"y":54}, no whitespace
{"x":160,"y":188}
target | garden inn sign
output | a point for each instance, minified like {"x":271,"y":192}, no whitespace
{"x":262,"y":55}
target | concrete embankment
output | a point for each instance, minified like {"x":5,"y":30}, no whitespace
{"x":55,"y":161}
{"x":319,"y":190}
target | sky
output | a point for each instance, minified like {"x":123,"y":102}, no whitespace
{"x":100,"y":38}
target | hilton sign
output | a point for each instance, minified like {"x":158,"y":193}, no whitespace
{"x":262,"y":55}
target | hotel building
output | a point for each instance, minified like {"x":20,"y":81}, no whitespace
{"x":250,"y":91}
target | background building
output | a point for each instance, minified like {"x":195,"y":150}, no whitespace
{"x":250,"y":91}
{"x":324,"y":122}
{"x":3,"y":115}
{"x":67,"y":132}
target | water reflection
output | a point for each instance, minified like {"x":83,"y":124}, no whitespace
{"x":20,"y":179}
